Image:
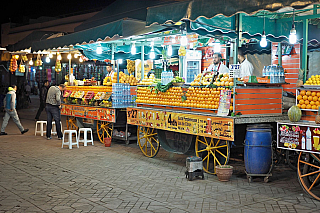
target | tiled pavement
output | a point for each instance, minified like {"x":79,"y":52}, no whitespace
{"x":36,"y":175}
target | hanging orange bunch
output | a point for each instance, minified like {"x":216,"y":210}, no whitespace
{"x":13,"y":64}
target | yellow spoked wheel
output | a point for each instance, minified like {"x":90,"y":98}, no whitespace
{"x":309,"y":173}
{"x":71,"y":123}
{"x":148,"y":141}
{"x":104,"y":130}
{"x":213,"y":152}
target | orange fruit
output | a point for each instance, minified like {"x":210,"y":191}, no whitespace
{"x":305,"y":97}
{"x":310,"y":98}
{"x":318,"y":94}
{"x":231,"y":108}
{"x":303,"y":106}
{"x":298,"y":105}
{"x":308,"y":93}
{"x":299,"y":97}
{"x":314,"y":107}
{"x":306,"y":102}
{"x":313,"y":93}
{"x":308,"y":106}
{"x":303,"y":92}
{"x":314,"y":98}
{"x":301,"y":102}
{"x":312,"y":103}
{"x":317,"y":103}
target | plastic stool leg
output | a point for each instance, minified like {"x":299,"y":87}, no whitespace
{"x":85,"y":138}
{"x":70,"y":140}
{"x":91,"y":138}
{"x":77,"y":140}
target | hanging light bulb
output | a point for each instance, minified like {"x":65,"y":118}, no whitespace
{"x":217,"y":46}
{"x":50,"y":55}
{"x":293,"y":32}
{"x":30,"y":62}
{"x":169,"y":51}
{"x":152,"y":54}
{"x":80,"y":60}
{"x":184,"y":41}
{"x":293,"y":35}
{"x":120,"y":61}
{"x":76,"y":55}
{"x":99,"y":49}
{"x":16,"y":56}
{"x":59,"y":56}
{"x":69,"y":56}
{"x":263,"y":41}
{"x":133,"y":49}
{"x":48,"y":59}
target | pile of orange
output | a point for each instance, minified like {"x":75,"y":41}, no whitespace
{"x":207,"y":98}
{"x":124,"y":78}
{"x":308,"y":100}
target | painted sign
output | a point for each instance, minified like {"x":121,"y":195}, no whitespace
{"x":95,"y":113}
{"x":208,"y":126}
{"x":224,"y":103}
{"x":299,"y":137}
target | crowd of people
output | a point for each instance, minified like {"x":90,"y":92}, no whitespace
{"x":50,"y":100}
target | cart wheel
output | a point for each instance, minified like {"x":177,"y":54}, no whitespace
{"x":266,"y":179}
{"x":292,"y":159}
{"x":71,"y":123}
{"x":104,"y":130}
{"x":249,"y":179}
{"x":309,"y":173}
{"x":148,"y":141}
{"x":213,"y":152}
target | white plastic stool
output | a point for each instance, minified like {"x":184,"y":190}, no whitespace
{"x":41,"y":131}
{"x":54,"y":129}
{"x":85,"y":136}
{"x":69,"y":142}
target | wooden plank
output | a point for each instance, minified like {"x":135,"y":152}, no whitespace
{"x":256,"y":90}
{"x":260,"y":112}
{"x":258,"y":107}
{"x":294,"y":80}
{"x":245,"y":96}
{"x":258,"y":101}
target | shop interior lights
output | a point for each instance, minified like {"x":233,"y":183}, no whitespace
{"x":69,"y":56}
{"x":50,"y":55}
{"x":169,"y":51}
{"x":263,"y":41}
{"x":80,"y":60}
{"x":30,"y":62}
{"x":59,"y":56}
{"x":99,"y":49}
{"x":217,"y":46}
{"x":184,"y":40}
{"x":16,"y":56}
{"x":76,"y":55}
{"x":133,"y":48}
{"x":152,"y":54}
{"x":293,"y":33}
{"x":48,"y":59}
{"x":120,"y":61}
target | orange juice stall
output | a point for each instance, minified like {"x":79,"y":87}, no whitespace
{"x":205,"y":119}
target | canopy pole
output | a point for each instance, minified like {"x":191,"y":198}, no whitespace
{"x":238,"y":29}
{"x":305,"y":49}
{"x":112,"y":56}
{"x":142,"y":61}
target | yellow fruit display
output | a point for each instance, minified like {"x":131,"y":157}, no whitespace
{"x":130,"y":66}
{"x":308,"y":100}
{"x":313,"y":80}
{"x":123,"y":78}
{"x":182,"y":51}
{"x":192,"y":97}
{"x":146,"y":80}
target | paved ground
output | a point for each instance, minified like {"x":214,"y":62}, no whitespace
{"x":36,"y":175}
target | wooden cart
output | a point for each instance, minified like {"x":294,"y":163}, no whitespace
{"x":303,"y":137}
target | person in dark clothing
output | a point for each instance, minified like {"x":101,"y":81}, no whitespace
{"x":53,"y":106}
{"x":43,"y":98}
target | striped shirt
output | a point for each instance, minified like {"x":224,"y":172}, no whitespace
{"x":54,"y":96}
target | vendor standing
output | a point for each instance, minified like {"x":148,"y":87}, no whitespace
{"x":217,"y":67}
{"x":246,"y":68}
{"x":110,"y":70}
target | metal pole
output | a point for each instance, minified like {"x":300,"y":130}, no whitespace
{"x":142,"y":61}
{"x":112,"y":55}
{"x":280,"y":54}
{"x":305,"y":49}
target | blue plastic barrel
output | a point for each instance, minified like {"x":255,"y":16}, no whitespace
{"x":258,"y":150}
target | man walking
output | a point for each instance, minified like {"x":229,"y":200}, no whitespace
{"x":53,"y":106}
{"x":10,"y":111}
{"x":43,"y":98}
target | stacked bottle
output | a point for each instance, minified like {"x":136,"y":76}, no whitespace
{"x":166,"y":77}
{"x":117,"y":95}
{"x":276,"y":73}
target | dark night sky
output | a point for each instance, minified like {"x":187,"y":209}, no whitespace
{"x":33,"y":9}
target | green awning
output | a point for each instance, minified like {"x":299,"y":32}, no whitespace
{"x":120,"y":29}
{"x":192,"y":10}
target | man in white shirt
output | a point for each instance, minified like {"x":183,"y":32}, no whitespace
{"x":109,"y":70}
{"x":246,"y":68}
{"x":217,"y":67}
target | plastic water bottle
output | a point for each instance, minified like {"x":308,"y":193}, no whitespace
{"x":283,"y":77}
{"x":308,"y":144}
{"x":271,"y":74}
{"x":264,"y":71}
